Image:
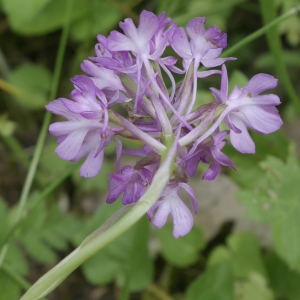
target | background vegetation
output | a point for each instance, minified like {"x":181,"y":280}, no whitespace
{"x":46,"y":209}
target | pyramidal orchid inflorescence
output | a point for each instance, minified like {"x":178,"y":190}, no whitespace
{"x":125,"y":95}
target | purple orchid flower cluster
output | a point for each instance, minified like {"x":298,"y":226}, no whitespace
{"x":125,"y":96}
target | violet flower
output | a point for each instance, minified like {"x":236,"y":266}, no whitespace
{"x":82,"y":133}
{"x":170,"y":203}
{"x":125,"y":95}
{"x":130,"y":181}
{"x":209,"y":152}
{"x":248,"y":109}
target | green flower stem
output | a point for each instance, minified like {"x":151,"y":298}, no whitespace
{"x":90,"y":246}
{"x":260,"y":32}
{"x":269,"y":13}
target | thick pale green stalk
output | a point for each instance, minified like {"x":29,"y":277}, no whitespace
{"x":269,"y":13}
{"x":90,"y":246}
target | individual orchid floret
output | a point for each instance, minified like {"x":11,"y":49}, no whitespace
{"x":82,"y":133}
{"x":170,"y":203}
{"x":248,"y":109}
{"x":209,"y":152}
{"x":204,"y":46}
{"x":131,"y":181}
{"x":134,"y":39}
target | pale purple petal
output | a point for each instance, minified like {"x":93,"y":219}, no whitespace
{"x":181,"y":44}
{"x":71,"y":145}
{"x":191,"y":192}
{"x":213,"y":53}
{"x":210,"y":63}
{"x":147,"y":26}
{"x":92,"y":165}
{"x":204,"y":74}
{"x":195,"y":28}
{"x":269,"y":99}
{"x":241,"y":141}
{"x":261,"y":119}
{"x":260,"y":83}
{"x":57,"y":107}
{"x":117,"y":41}
{"x":183,"y":220}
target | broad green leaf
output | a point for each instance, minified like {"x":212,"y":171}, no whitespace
{"x":283,"y":280}
{"x":9,"y":288}
{"x":219,"y":254}
{"x":20,"y":13}
{"x":41,"y":16}
{"x":277,"y":202}
{"x":183,"y":251}
{"x":215,"y":283}
{"x":100,"y":17}
{"x":34,"y":82}
{"x":246,"y":255}
{"x":255,"y":287}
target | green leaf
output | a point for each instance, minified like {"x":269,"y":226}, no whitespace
{"x":215,"y":283}
{"x":20,"y":14}
{"x":9,"y":288}
{"x":45,"y":231}
{"x":15,"y":258}
{"x":219,"y":254}
{"x":183,"y":251}
{"x":254,"y":288}
{"x":283,"y":280}
{"x":41,"y":18}
{"x":99,"y":18}
{"x":246,"y":255}
{"x":34,"y":81}
{"x":277,"y":202}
